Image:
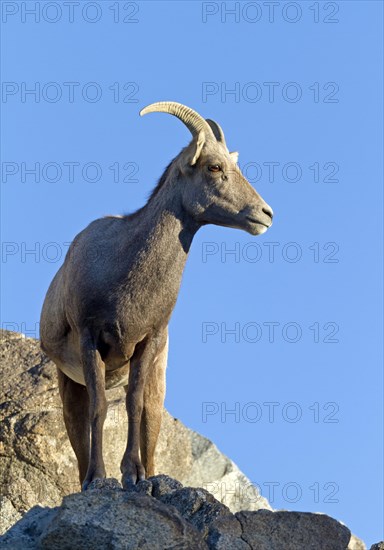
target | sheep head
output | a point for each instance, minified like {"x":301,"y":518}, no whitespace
{"x":214,"y":190}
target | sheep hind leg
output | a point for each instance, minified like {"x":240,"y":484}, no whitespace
{"x":76,"y":418}
{"x":94,"y":374}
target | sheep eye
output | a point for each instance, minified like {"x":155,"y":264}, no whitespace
{"x":214,"y":168}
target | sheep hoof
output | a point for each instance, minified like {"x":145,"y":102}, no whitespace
{"x":133,"y":473}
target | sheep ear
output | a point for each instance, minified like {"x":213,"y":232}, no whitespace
{"x":234,"y":156}
{"x":198,"y":147}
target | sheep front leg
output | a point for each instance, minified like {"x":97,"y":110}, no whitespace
{"x":154,"y":393}
{"x":132,"y":467}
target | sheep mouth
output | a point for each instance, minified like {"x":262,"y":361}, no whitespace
{"x":253,"y":220}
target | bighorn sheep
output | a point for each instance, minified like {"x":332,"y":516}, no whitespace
{"x":105,"y":316}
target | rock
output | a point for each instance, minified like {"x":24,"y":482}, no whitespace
{"x":226,"y":533}
{"x":117,"y":521}
{"x":265,"y":530}
{"x":377,"y":546}
{"x":38,"y":468}
{"x":163,"y":485}
{"x":9,"y":515}
{"x":38,"y":465}
{"x":108,"y":517}
{"x":105,"y":517}
{"x":197,"y":506}
{"x":356,"y":544}
{"x":26,"y":532}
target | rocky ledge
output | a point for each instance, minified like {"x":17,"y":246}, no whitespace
{"x":159,"y":513}
{"x":40,"y":506}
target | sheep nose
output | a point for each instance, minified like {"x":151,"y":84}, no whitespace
{"x":268,"y":210}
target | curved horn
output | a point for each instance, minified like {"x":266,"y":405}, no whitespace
{"x":193,"y":121}
{"x":217,"y":130}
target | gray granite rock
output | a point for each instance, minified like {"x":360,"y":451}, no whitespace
{"x":265,"y":530}
{"x":197,"y":506}
{"x":107,"y":517}
{"x":38,"y":466}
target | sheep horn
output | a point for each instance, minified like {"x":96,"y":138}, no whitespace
{"x":193,"y":121}
{"x":217,"y":130}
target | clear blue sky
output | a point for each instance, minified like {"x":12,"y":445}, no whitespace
{"x":297,"y":92}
